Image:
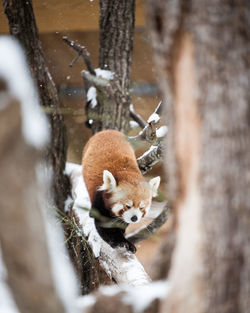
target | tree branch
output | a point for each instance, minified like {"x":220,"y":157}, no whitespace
{"x":149,"y":131}
{"x":120,"y":264}
{"x":136,"y":117}
{"x":82,"y":51}
{"x":150,"y":158}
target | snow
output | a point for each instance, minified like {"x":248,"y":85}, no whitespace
{"x":118,"y":263}
{"x":161,"y":132}
{"x":141,"y":297}
{"x":68,"y":203}
{"x":154,"y":118}
{"x":7,"y":303}
{"x":110,"y":291}
{"x":82,"y":206}
{"x":84,"y":302}
{"x":133,"y":124}
{"x":104,"y":74}
{"x":61,"y":267}
{"x":148,"y":151}
{"x":91,"y":97}
{"x":14,"y":69}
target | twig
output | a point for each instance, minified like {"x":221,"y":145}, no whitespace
{"x":136,"y":117}
{"x":82,"y":51}
{"x":149,"y":230}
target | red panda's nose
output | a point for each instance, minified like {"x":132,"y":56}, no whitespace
{"x":134,"y":218}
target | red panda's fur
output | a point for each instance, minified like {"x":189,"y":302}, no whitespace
{"x":109,"y":150}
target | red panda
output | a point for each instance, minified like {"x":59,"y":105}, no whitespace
{"x":115,"y":184}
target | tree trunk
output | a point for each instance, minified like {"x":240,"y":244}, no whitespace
{"x":23,"y":26}
{"x":22,"y":230}
{"x":116,"y":45}
{"x":202,"y":55}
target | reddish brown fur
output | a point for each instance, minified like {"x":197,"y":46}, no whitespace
{"x":109,"y":150}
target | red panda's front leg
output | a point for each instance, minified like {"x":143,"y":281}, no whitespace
{"x":114,"y":236}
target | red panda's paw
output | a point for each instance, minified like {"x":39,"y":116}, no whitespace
{"x":129,"y":246}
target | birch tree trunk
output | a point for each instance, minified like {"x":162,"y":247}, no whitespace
{"x":202,"y":54}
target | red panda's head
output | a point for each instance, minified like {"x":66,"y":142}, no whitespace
{"x":128,"y":200}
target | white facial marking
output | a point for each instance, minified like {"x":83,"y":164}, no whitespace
{"x":146,"y":210}
{"x":129,"y":203}
{"x":132,"y":215}
{"x":142,"y":204}
{"x":117,"y":207}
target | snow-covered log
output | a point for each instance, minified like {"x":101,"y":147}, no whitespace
{"x":120,"y":264}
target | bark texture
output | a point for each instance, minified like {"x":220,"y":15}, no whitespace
{"x":22,"y":233}
{"x":117,"y":18}
{"x":88,"y":269}
{"x":23,"y":26}
{"x":115,"y":50}
{"x":202,"y":54}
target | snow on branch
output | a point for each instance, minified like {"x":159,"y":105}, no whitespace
{"x":149,"y":131}
{"x":125,"y":298}
{"x":150,"y":158}
{"x":136,"y":117}
{"x":120,"y":265}
{"x":151,"y":134}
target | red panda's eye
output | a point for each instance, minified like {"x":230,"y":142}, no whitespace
{"x":128,"y":206}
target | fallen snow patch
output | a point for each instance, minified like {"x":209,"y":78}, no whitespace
{"x":14,"y":69}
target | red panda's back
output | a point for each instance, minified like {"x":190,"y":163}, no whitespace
{"x":107,"y":150}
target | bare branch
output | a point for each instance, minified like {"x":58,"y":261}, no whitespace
{"x":148,"y":231}
{"x":136,"y":117}
{"x":82,"y":51}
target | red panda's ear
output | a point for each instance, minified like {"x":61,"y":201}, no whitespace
{"x":154,"y":184}
{"x":109,"y":182}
